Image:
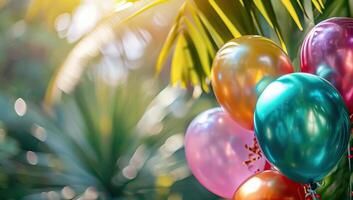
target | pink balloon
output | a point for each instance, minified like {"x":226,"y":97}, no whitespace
{"x":327,"y":51}
{"x":220,"y":153}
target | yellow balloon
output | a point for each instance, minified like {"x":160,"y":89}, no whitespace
{"x":242,"y":68}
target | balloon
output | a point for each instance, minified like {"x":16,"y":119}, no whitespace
{"x":241,"y":70}
{"x":220,"y":153}
{"x":269,"y":185}
{"x":302,"y":126}
{"x":327,"y":51}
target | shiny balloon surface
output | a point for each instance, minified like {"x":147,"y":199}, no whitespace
{"x":270,"y":185}
{"x":241,"y":70}
{"x":302,"y":126}
{"x":327,"y":51}
{"x":220,"y":153}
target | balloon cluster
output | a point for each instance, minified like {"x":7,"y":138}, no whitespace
{"x":279,"y":132}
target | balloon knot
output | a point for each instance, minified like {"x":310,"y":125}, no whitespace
{"x":310,"y":190}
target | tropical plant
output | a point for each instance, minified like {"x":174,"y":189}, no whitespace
{"x":119,"y":141}
{"x":201,"y":27}
{"x":125,"y":144}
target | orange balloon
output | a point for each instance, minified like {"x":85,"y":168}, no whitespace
{"x":269,"y":185}
{"x":242,"y":68}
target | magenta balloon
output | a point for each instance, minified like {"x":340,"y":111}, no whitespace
{"x":327,"y":51}
{"x":220,"y":153}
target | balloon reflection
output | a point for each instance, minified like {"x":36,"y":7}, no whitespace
{"x":327,"y":51}
{"x":242,"y":69}
{"x":270,"y":185}
{"x":220,"y":153}
{"x":302,"y":126}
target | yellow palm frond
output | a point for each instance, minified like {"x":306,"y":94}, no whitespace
{"x":200,"y":29}
{"x":213,"y":22}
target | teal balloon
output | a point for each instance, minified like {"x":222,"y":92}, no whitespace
{"x":302,"y":126}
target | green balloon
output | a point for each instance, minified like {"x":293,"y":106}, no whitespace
{"x":302,"y":126}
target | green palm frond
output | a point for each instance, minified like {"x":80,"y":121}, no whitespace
{"x":337,"y":184}
{"x":206,"y":25}
{"x":200,"y":28}
{"x":120,"y":142}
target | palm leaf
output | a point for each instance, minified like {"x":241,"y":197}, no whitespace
{"x":337,"y":184}
{"x":289,"y":6}
{"x":209,"y":23}
{"x":112,"y":139}
{"x":67,"y":75}
{"x":223,"y":20}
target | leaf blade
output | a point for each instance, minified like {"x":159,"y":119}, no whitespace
{"x":235,"y":32}
{"x":290,"y":8}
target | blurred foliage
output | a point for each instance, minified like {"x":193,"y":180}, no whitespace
{"x":119,"y":134}
{"x":49,"y":10}
{"x":200,"y":28}
{"x":138,"y":17}
{"x":112,"y":138}
{"x":100,"y":143}
{"x":26,"y":54}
